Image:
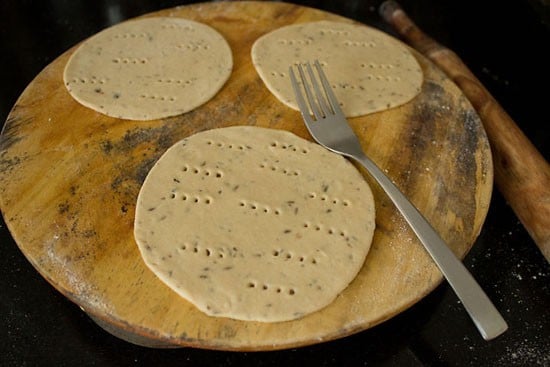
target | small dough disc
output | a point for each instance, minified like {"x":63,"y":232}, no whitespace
{"x":149,"y":68}
{"x":369,"y":70}
{"x":253,"y":223}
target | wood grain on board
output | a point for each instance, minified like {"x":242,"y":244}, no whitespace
{"x":69,"y":179}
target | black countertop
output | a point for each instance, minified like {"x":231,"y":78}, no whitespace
{"x":505,"y":44}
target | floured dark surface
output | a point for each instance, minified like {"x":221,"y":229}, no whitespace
{"x":458,"y":344}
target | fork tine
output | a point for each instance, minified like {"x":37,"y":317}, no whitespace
{"x":304,"y":109}
{"x":320,"y":96}
{"x":309,"y":95}
{"x":328,"y":90}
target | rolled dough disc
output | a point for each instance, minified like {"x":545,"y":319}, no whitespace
{"x":149,"y":68}
{"x":253,"y":223}
{"x":369,"y":70}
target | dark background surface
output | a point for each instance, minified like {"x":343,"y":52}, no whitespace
{"x":505,"y":44}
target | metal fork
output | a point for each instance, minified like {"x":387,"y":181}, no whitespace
{"x":329,"y":127}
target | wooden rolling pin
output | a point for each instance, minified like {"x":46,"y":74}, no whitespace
{"x":522,"y":174}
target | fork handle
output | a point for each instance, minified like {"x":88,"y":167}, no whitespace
{"x":486,"y":317}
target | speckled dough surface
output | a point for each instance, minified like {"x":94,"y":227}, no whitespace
{"x":369,"y":70}
{"x":253,"y":223}
{"x":149,"y":68}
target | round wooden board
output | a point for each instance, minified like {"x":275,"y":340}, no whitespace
{"x":69,"y":179}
